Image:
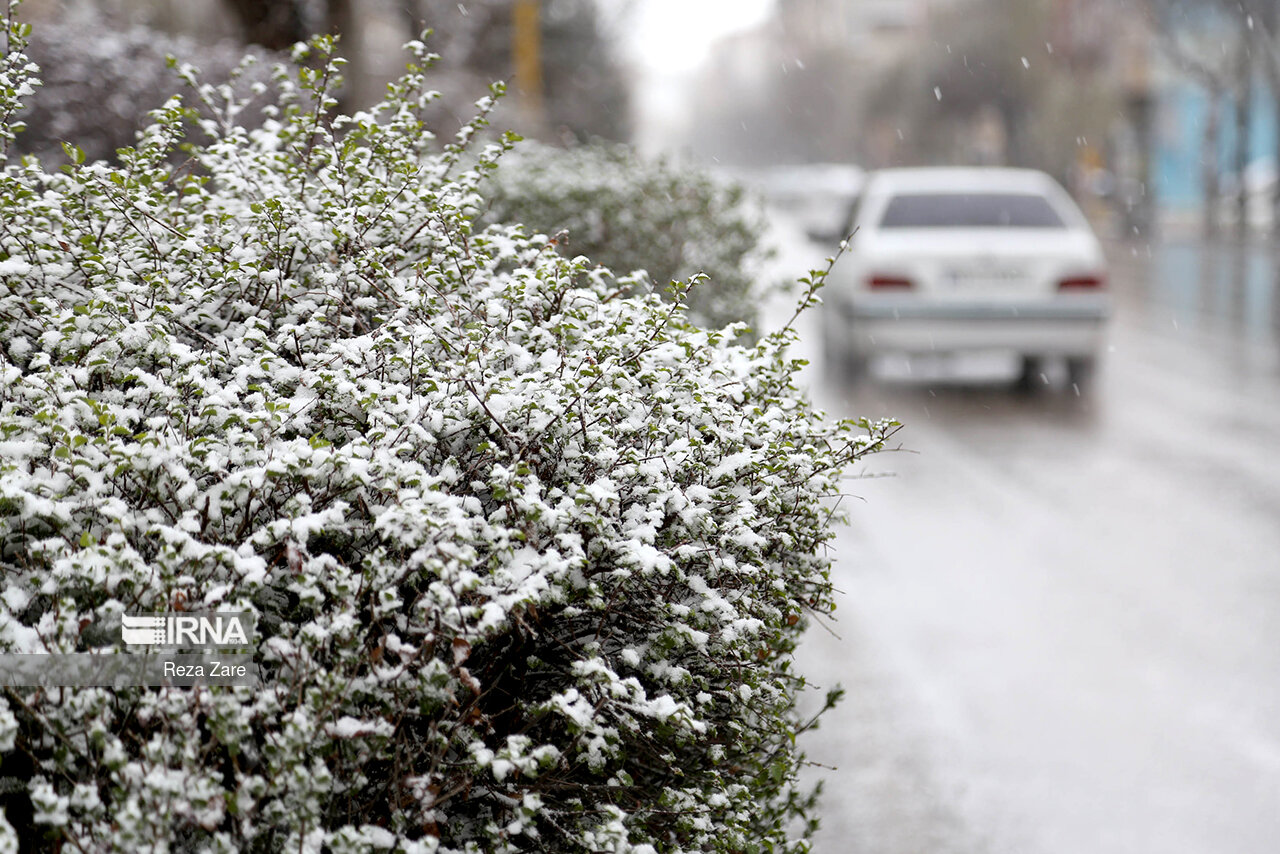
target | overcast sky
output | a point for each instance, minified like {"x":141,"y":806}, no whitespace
{"x":674,"y":35}
{"x":665,"y":41}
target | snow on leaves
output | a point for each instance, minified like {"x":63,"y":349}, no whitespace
{"x":672,"y":222}
{"x":526,"y":554}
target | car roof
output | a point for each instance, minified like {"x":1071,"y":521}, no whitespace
{"x":960,"y":179}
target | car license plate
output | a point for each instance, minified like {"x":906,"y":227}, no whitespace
{"x":986,"y":278}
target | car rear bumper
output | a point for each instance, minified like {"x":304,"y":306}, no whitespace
{"x":1065,"y":326}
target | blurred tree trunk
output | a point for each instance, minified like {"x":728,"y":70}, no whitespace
{"x":1014,"y":116}
{"x":274,"y":24}
{"x":412,"y":16}
{"x":1210,"y":158}
{"x":1244,"y":120}
{"x":342,"y":20}
{"x":280,"y":24}
{"x":1273,"y":76}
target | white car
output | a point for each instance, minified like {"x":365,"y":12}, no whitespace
{"x":959,"y":259}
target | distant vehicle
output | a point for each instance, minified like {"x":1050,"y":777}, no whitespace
{"x":817,"y":196}
{"x":960,"y":259}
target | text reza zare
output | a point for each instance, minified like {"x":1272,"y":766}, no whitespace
{"x":216,"y":670}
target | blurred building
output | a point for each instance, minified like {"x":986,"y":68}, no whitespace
{"x":1084,"y":89}
{"x":876,"y":30}
{"x":794,"y":88}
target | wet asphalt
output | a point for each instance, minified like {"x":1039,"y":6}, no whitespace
{"x":1059,"y":619}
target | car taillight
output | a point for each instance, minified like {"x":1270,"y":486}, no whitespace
{"x":888,"y":283}
{"x":1083,"y":283}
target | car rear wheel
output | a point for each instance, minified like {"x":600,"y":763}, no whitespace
{"x":1081,"y":370}
{"x":1029,"y":374}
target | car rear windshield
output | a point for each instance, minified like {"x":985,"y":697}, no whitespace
{"x":970,"y":210}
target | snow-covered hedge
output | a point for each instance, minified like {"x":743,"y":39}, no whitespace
{"x":671,"y":221}
{"x":528,"y":558}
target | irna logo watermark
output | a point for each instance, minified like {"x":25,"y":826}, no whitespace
{"x":212,"y":630}
{"x":182,"y":649}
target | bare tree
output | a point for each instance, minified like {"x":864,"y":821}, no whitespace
{"x":1265,"y":31}
{"x":1256,"y":24}
{"x":1179,"y":26}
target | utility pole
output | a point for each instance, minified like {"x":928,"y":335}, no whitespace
{"x":526,"y":51}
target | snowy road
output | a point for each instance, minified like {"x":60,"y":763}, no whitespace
{"x":1060,"y":619}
